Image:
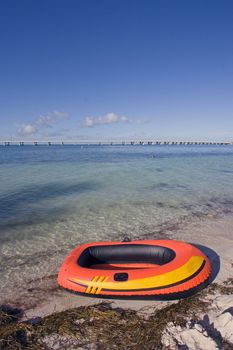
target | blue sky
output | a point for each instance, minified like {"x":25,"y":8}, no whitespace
{"x":116,"y":69}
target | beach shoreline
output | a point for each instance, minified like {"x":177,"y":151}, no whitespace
{"x":212,"y":235}
{"x":201,"y":321}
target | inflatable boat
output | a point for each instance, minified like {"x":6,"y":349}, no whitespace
{"x":162,"y":268}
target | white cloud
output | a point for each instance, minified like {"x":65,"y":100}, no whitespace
{"x":27,"y":129}
{"x":45,"y":120}
{"x":142,"y":121}
{"x":108,"y":118}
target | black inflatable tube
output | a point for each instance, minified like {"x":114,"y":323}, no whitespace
{"x":126,"y":253}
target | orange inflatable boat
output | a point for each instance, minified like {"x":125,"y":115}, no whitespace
{"x":162,"y":268}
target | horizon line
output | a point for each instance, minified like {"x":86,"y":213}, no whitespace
{"x":116,"y":141}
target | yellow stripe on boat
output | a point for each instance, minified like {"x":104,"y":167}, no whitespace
{"x":104,"y":279}
{"x":90,"y":284}
{"x":163,"y":280}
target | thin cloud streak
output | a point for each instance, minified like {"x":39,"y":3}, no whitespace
{"x":50,"y":118}
{"x":109,"y":118}
{"x":44,"y":120}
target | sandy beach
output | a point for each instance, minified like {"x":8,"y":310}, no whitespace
{"x":211,"y":234}
{"x":207,"y":320}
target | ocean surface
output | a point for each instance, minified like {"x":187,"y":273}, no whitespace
{"x":54,"y":197}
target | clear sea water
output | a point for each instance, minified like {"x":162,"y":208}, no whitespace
{"x":53,"y":198}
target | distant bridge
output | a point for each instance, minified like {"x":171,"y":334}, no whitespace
{"x":109,"y":142}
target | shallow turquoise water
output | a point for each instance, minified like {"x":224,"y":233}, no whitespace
{"x":52,"y":198}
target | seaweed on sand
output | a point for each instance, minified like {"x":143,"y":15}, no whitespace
{"x":100,"y":327}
